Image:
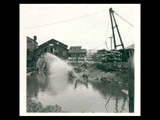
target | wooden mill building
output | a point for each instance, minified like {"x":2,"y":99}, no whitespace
{"x":53,"y":46}
{"x":76,"y":54}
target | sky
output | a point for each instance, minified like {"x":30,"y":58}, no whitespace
{"x":47,"y":21}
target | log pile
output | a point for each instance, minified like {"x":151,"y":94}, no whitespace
{"x":110,"y":56}
{"x":115,"y":66}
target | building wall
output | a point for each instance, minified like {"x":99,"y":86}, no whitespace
{"x":59,"y":49}
{"x":31,"y":44}
{"x":76,"y":54}
{"x":61,"y":52}
{"x":77,"y":57}
{"x":30,"y":55}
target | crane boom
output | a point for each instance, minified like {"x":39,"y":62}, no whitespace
{"x":116,"y":26}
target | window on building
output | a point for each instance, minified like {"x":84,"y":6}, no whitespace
{"x":45,"y":49}
{"x":56,"y":52}
{"x":51,"y":49}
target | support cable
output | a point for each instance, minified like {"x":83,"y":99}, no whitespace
{"x":97,"y":46}
{"x":123,"y":19}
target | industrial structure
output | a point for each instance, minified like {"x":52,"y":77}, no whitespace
{"x":31,"y":46}
{"x":129,"y":52}
{"x":53,"y":46}
{"x":76,"y":54}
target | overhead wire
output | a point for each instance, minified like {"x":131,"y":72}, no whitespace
{"x":97,"y":46}
{"x":106,"y":37}
{"x":68,"y":19}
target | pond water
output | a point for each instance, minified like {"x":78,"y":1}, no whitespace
{"x":75,"y":96}
{"x":56,"y":87}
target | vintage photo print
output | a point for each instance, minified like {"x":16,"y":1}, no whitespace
{"x":79,"y":59}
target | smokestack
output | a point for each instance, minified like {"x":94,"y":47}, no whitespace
{"x":34,"y":38}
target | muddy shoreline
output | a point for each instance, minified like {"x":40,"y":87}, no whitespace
{"x":104,"y":72}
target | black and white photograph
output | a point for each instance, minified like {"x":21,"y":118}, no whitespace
{"x":79,"y":59}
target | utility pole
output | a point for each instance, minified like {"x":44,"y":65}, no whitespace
{"x":111,"y":41}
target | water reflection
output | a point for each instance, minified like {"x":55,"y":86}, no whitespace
{"x":57,"y":83}
{"x":111,"y":91}
{"x":41,"y":77}
{"x":116,"y":106}
{"x":123,"y":105}
{"x":78,"y":81}
{"x":36,"y":82}
{"x":107,"y":89}
{"x":66,"y":91}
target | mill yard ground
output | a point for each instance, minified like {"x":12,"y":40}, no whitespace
{"x":106,"y":72}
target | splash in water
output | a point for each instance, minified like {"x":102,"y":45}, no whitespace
{"x":57,"y":72}
{"x":54,"y":64}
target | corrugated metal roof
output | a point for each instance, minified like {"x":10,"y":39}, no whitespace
{"x":77,"y":51}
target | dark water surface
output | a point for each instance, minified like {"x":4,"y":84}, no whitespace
{"x":76,"y":96}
